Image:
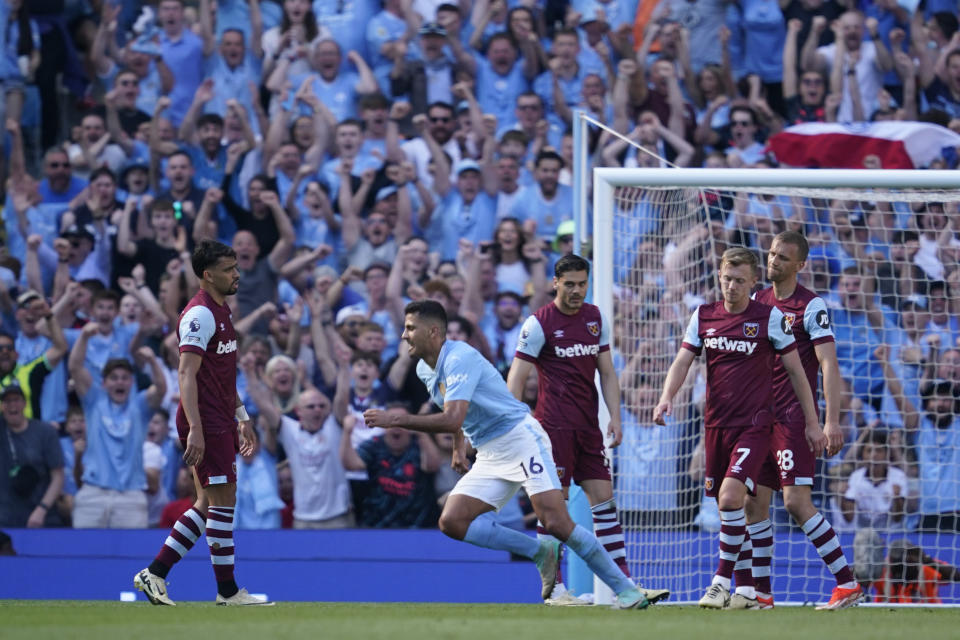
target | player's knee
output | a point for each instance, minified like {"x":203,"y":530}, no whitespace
{"x":453,"y":527}
{"x":798,"y":505}
{"x":730,"y":500}
{"x":557,"y":524}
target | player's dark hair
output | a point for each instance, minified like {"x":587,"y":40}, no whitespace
{"x":365,"y":356}
{"x":116,"y":363}
{"x":106,"y":294}
{"x":796,"y":239}
{"x":571,"y":262}
{"x":429,"y":310}
{"x":207,"y":253}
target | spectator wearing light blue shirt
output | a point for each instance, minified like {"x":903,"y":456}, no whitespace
{"x":546,"y":202}
{"x":112,"y":495}
{"x":111,"y":341}
{"x":182,"y":52}
{"x":567,"y":72}
{"x":337,"y":88}
{"x":465,"y":211}
{"x":235,"y":69}
{"x":500,"y":76}
{"x":387,"y":33}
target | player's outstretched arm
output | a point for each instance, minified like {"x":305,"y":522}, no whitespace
{"x":675,"y":377}
{"x":517,"y":377}
{"x":449,"y":421}
{"x":798,"y":379}
{"x":832,"y":390}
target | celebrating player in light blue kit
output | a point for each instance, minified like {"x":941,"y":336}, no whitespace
{"x":512,"y":450}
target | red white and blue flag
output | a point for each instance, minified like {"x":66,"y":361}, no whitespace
{"x":895,"y":144}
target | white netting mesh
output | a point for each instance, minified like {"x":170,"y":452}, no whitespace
{"x":886,"y":263}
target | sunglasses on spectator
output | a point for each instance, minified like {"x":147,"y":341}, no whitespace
{"x":565,"y":238}
{"x":58,"y":165}
{"x":528,"y":107}
{"x":439,"y":119}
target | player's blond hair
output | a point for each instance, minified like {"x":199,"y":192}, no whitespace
{"x":736,"y":256}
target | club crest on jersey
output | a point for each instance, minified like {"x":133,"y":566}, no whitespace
{"x":443,"y":389}
{"x":708,"y":483}
{"x":593,"y":328}
{"x":751,"y":329}
{"x":788,"y":319}
{"x":560,"y":472}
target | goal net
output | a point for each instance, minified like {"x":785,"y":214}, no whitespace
{"x":884,"y":256}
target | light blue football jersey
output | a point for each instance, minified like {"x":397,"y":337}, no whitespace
{"x":463,"y":374}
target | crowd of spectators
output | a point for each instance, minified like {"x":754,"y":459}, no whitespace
{"x":358,"y":155}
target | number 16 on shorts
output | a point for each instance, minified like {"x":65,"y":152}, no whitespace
{"x":532,"y":466}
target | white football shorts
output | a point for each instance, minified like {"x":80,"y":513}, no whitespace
{"x":521,"y":457}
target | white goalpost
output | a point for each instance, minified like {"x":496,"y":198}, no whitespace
{"x":885,"y":259}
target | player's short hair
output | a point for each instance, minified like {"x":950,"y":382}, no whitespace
{"x":208,"y":253}
{"x":106,"y":294}
{"x":117,"y":363}
{"x":429,"y":310}
{"x":571,"y":262}
{"x":365,"y":356}
{"x":796,"y":239}
{"x":736,"y":256}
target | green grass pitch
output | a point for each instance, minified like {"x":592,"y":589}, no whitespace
{"x":78,"y":620}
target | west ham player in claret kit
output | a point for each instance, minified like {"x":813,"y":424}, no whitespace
{"x":207,"y":421}
{"x":568,"y":340}
{"x":740,"y":338}
{"x":793,"y":445}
